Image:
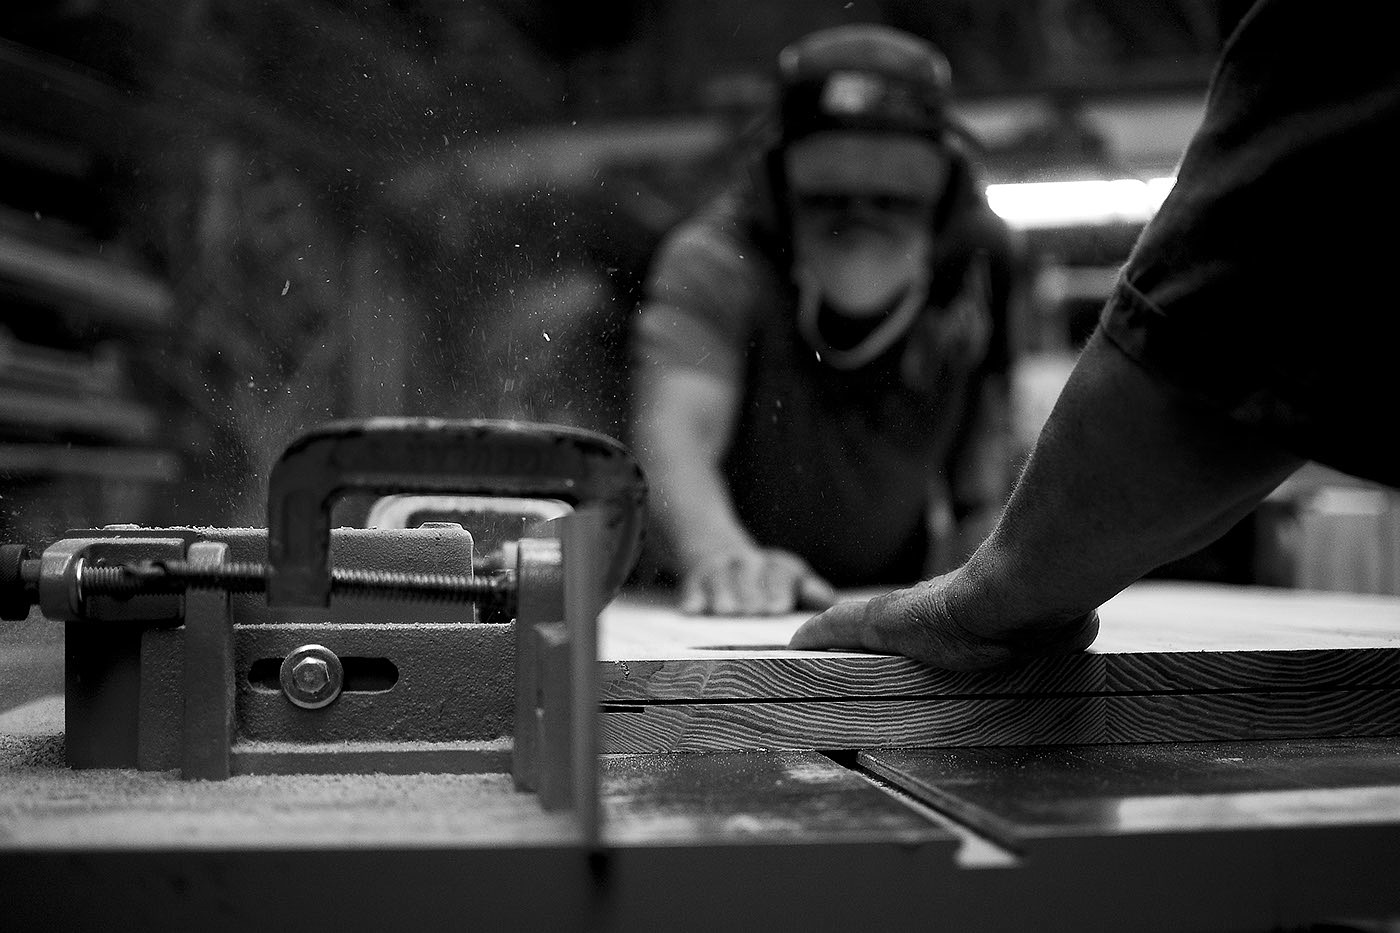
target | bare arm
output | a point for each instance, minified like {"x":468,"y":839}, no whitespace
{"x":685,"y":419}
{"x":684,"y":424}
{"x":1126,"y":475}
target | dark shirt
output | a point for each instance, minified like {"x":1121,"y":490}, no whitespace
{"x":836,"y":466}
{"x":1261,"y":286}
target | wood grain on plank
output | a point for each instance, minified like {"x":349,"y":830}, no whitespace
{"x":1155,"y":636}
{"x":852,"y":724}
{"x":1157,"y":671}
{"x":1051,"y":720}
{"x":819,"y":676}
{"x":1279,"y":714}
{"x":730,"y":677}
{"x":1174,"y":662}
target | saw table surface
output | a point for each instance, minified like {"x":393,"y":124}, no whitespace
{"x":727,"y":797}
{"x":1018,"y":795}
{"x":795,"y":818}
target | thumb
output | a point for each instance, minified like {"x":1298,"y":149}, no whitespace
{"x":838,"y":627}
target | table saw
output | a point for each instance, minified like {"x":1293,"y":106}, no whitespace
{"x":415,"y":726}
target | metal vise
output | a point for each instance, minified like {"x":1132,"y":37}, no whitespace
{"x":183,"y":652}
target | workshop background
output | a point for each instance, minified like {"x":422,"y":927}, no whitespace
{"x":225,"y":221}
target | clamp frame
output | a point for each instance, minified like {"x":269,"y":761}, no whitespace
{"x":394,"y":455}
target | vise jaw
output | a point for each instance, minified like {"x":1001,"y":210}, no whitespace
{"x":354,"y":649}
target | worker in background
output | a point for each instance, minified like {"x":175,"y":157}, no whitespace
{"x":823,"y":351}
{"x":1251,"y":330}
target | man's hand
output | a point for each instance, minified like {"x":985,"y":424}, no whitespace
{"x":754,"y":581}
{"x":919,"y":623}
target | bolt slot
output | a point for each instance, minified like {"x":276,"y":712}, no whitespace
{"x":361,"y":675}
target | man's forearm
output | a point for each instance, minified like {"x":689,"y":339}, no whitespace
{"x":684,"y":423}
{"x":1126,"y":475}
{"x":693,"y":508}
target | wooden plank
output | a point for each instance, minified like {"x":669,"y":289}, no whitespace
{"x":1192,"y":617}
{"x":833,"y":677}
{"x":651,"y":651}
{"x":1175,"y":662}
{"x":846,"y":724}
{"x":1275,"y":714}
{"x":736,"y":676}
{"x":1087,"y":720}
{"x":1155,"y":671}
{"x":1156,"y":636}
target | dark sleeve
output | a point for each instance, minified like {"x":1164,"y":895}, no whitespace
{"x":1258,"y":287}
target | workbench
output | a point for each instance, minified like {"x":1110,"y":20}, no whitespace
{"x":1224,"y":759}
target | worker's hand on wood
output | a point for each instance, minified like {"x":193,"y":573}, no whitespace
{"x":754,"y":581}
{"x":932,"y":623}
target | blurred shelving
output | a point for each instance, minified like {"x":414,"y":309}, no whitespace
{"x":79,"y":442}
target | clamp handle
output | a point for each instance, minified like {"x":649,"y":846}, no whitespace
{"x":469,"y":457}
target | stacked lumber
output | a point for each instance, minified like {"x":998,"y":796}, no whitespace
{"x":1175,"y":662}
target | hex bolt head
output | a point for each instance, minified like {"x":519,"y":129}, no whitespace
{"x":312,"y":676}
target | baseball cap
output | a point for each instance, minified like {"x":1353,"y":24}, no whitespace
{"x":904,"y":170}
{"x":864,"y":77}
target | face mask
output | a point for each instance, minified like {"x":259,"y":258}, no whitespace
{"x":860,"y":261}
{"x":895,"y":322}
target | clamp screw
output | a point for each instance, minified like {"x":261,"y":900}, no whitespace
{"x":311,"y":676}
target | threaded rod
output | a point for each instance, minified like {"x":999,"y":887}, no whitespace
{"x":176,"y":576}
